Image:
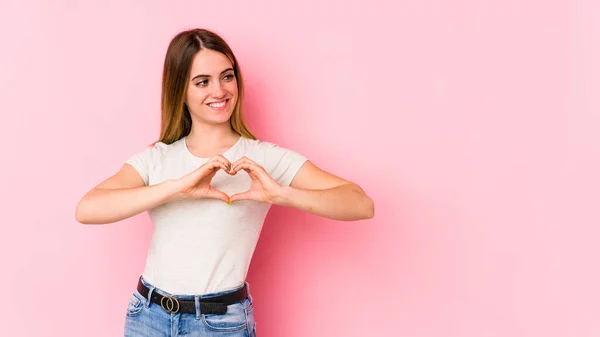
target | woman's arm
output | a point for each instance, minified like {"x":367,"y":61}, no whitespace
{"x":125,"y":194}
{"x":312,"y":190}
{"x":321,"y":193}
{"x":122,"y":196}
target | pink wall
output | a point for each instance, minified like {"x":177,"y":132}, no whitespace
{"x":472,"y":124}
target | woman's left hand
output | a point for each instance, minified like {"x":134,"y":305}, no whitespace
{"x":263,"y":188}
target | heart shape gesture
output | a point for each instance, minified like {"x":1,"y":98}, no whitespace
{"x":197,"y":183}
{"x":263,"y":188}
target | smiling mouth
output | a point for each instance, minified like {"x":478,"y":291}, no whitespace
{"x":218,"y":105}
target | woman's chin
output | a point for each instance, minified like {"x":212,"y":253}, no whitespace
{"x":223,"y":118}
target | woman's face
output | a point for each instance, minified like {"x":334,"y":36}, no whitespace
{"x":212,"y":91}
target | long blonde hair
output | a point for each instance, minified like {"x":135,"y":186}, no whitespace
{"x":176,"y":121}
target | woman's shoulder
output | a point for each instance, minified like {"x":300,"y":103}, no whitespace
{"x":158,"y":148}
{"x":258,"y":149}
{"x":266,"y":148}
{"x":260,"y":144}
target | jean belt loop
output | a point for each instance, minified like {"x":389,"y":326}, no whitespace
{"x":197,"y":300}
{"x":248,"y":291}
{"x":149,"y":296}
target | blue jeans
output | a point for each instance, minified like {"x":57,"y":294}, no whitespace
{"x":148,"y":319}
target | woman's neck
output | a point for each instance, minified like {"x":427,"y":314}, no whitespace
{"x":207,"y":140}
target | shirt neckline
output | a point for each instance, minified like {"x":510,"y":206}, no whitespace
{"x":224,"y":154}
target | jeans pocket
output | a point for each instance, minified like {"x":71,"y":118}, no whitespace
{"x":136,"y":304}
{"x":233,"y":320}
{"x":249,"y":308}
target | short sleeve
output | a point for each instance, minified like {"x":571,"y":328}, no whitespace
{"x":142,"y":162}
{"x":281,"y":163}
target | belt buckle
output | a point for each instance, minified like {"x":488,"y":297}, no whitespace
{"x":171,"y":303}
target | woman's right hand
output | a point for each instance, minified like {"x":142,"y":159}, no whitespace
{"x":196,"y":184}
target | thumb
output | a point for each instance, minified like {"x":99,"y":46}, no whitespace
{"x":214,"y":194}
{"x":240,"y":196}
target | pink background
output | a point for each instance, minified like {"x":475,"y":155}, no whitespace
{"x":472,"y":124}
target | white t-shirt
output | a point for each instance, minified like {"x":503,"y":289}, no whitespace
{"x":204,"y":246}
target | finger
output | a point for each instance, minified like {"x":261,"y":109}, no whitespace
{"x":211,"y":167}
{"x":222,"y":159}
{"x":215,"y":165}
{"x":244,"y":159}
{"x":246,"y":164}
{"x":255,"y":171}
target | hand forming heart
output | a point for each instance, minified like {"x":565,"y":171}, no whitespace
{"x":197,"y":183}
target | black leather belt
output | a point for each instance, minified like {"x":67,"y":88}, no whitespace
{"x":209,"y":305}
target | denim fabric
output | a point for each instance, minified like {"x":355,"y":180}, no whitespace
{"x":148,"y":319}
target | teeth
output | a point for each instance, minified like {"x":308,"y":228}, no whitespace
{"x":217,"y":105}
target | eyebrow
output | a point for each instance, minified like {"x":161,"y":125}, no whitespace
{"x":224,"y":71}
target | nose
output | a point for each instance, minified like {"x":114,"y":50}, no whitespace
{"x":218,"y":91}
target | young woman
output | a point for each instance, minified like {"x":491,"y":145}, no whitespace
{"x":208,"y":184}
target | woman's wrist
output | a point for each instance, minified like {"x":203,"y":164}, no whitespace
{"x":282,"y":196}
{"x":172,"y":190}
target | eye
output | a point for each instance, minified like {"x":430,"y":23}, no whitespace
{"x":202,"y":83}
{"x":229,"y":77}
